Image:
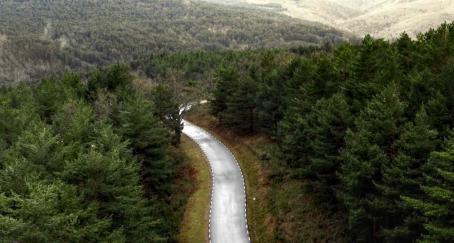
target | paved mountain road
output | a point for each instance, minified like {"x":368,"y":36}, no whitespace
{"x":228,"y":223}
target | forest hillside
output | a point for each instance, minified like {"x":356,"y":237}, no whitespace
{"x":39,"y":37}
{"x":349,"y":140}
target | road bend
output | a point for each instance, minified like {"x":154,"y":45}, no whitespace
{"x":227,"y":221}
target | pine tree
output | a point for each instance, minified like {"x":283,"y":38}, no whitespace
{"x":108,"y":79}
{"x":16,"y":113}
{"x":241,"y":106}
{"x":406,"y":48}
{"x":168,"y":110}
{"x":294,"y":139}
{"x":418,"y":87}
{"x":368,"y":148}
{"x":227,"y":79}
{"x":437,"y":206}
{"x":37,"y":152}
{"x":344,"y":62}
{"x":74,"y":122}
{"x":433,"y":46}
{"x":270,"y":94}
{"x":403,"y":176}
{"x":293,"y":130}
{"x":111,"y":182}
{"x":50,"y":95}
{"x":135,"y":120}
{"x":438,"y":111}
{"x":51,"y":213}
{"x":376,"y":67}
{"x":51,"y":196}
{"x":446,"y":78}
{"x":69,"y":177}
{"x":327,"y":125}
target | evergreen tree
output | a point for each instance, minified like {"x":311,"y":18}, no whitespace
{"x":74,"y":121}
{"x":111,"y":183}
{"x":438,"y":111}
{"x":15,"y":115}
{"x":418,"y":87}
{"x":294,"y":141}
{"x":168,"y":110}
{"x":345,"y":59}
{"x":226,"y":82}
{"x":109,"y":79}
{"x":446,"y":78}
{"x":407,"y":56}
{"x":67,"y":176}
{"x":37,"y":153}
{"x":403,"y":176}
{"x":270,"y":94}
{"x":437,"y":206}
{"x":368,"y":148}
{"x":49,"y":96}
{"x":241,"y":106}
{"x":376,"y":67}
{"x":51,"y":213}
{"x":135,"y":120}
{"x":327,"y":125}
{"x":293,"y":130}
{"x":110,"y":196}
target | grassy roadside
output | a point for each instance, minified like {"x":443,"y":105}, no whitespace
{"x":260,"y":221}
{"x":194,"y":227}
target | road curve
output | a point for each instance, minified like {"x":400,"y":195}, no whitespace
{"x":227,"y":222}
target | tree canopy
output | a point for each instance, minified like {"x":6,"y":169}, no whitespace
{"x":85,"y":162}
{"x":365,"y":126}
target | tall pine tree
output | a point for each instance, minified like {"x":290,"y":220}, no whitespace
{"x":327,"y":125}
{"x":403,"y":176}
{"x":438,"y":204}
{"x":368,"y":148}
{"x":241,"y":105}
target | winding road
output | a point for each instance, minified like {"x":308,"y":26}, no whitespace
{"x":227,"y":222}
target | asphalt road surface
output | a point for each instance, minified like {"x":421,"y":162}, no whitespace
{"x":228,"y":221}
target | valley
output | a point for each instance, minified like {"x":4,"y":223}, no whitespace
{"x":309,"y":121}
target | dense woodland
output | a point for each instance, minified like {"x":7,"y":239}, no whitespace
{"x":368,"y":128}
{"x":40,"y":37}
{"x":89,"y":161}
{"x":193,"y":73}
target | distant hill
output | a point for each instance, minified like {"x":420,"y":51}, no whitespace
{"x":39,"y":37}
{"x":390,"y":18}
{"x":380,"y":18}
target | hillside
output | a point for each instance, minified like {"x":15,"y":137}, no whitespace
{"x":380,"y":18}
{"x":389,"y":18}
{"x":39,"y":38}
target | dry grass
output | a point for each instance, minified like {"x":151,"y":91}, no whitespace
{"x":194,"y":227}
